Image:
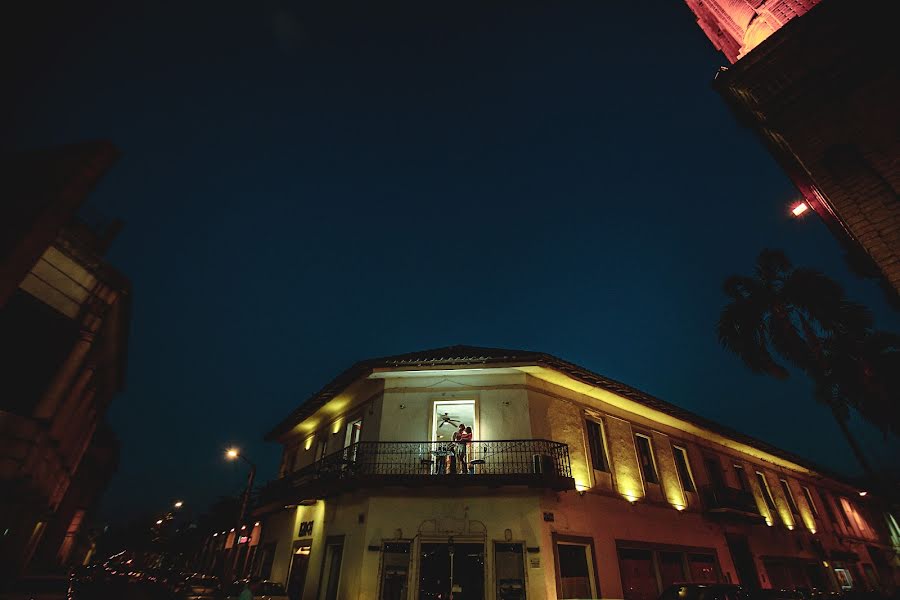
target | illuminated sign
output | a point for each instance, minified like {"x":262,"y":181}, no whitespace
{"x":306,"y":528}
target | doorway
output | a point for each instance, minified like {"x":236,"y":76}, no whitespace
{"x":743,"y":561}
{"x":299,"y":567}
{"x":354,"y":432}
{"x":451,"y":569}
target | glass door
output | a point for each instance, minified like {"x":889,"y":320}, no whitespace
{"x":451,"y":570}
{"x":299,"y":567}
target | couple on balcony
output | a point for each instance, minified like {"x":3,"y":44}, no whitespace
{"x":462,"y":437}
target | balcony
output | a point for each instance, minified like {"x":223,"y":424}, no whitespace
{"x":533,"y":463}
{"x":731,"y":502}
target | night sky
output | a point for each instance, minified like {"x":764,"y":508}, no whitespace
{"x":309,"y":184}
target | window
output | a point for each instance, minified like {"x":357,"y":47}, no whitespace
{"x":647,"y":570}
{"x":331,"y":569}
{"x":714,"y":470}
{"x":645,"y":458}
{"x":671,"y":568}
{"x":829,"y":510}
{"x":509,"y":561}
{"x":597,"y":443}
{"x":703,"y":568}
{"x":809,"y":500}
{"x":743,"y":482}
{"x":852,"y":512}
{"x":395,"y":570}
{"x":576,"y":577}
{"x":684,"y":469}
{"x":789,"y":496}
{"x":842,"y":505}
{"x":766,"y":492}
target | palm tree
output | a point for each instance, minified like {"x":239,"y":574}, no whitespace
{"x":800,"y":317}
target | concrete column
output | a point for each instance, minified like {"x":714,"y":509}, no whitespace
{"x":83,"y":445}
{"x":71,"y":428}
{"x":81,"y":422}
{"x":49,"y":402}
{"x":74,"y":401}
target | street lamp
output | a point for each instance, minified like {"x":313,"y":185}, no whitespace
{"x":231,"y":454}
{"x":159,"y":522}
{"x":178,"y":504}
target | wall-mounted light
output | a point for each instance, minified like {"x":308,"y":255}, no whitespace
{"x":863,"y":493}
{"x":799,"y":208}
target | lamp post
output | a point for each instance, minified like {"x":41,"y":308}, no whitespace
{"x":231,"y":454}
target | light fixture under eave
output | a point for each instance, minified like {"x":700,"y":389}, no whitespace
{"x":799,"y":208}
{"x":863,"y":493}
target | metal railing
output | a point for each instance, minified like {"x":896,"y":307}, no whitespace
{"x":728,"y":499}
{"x":516,"y":460}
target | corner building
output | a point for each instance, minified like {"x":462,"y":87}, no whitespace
{"x":577,"y":487}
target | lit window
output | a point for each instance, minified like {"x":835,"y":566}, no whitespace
{"x":789,"y":496}
{"x":742,"y":478}
{"x":575,"y":573}
{"x":684,"y":469}
{"x":809,"y":500}
{"x":645,"y":457}
{"x":597,"y":443}
{"x":766,"y":492}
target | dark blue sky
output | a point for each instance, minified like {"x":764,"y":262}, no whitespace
{"x":308,"y":184}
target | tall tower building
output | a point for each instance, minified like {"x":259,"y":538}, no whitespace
{"x":735,"y":27}
{"x":818,"y":82}
{"x":64,"y":320}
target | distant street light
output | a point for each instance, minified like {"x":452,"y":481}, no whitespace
{"x":179,"y":504}
{"x":159,"y":522}
{"x":231,"y":454}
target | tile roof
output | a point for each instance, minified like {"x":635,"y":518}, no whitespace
{"x":475,"y":355}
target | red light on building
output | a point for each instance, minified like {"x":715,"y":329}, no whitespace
{"x":799,"y":209}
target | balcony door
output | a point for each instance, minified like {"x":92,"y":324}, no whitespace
{"x":451,"y":570}
{"x":448,"y":415}
{"x":354,"y":432}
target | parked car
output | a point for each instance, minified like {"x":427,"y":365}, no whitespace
{"x":262,"y":590}
{"x":199,"y":587}
{"x":49,"y":587}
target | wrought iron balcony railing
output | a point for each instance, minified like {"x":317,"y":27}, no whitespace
{"x":512,"y":462}
{"x":729,"y":500}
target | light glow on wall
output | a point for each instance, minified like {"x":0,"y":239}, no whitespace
{"x":336,"y":427}
{"x":308,"y":444}
{"x":580,"y":487}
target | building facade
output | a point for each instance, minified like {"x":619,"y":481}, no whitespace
{"x":64,"y":315}
{"x":574,"y":486}
{"x":821,"y":89}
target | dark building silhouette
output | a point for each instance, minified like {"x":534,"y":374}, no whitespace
{"x":64,"y":316}
{"x":821,"y":89}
